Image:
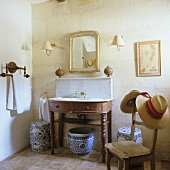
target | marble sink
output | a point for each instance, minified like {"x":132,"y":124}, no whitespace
{"x":95,"y":89}
{"x":71,"y":99}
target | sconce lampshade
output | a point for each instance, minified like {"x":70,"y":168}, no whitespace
{"x":47,"y":47}
{"x":118,"y":41}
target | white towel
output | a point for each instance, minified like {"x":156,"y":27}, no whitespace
{"x":19,"y":96}
{"x":11,"y":103}
{"x":44,"y":113}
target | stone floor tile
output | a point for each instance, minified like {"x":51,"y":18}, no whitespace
{"x":63,"y":159}
{"x":89,"y":164}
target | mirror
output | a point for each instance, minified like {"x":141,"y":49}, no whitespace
{"x":84,"y":51}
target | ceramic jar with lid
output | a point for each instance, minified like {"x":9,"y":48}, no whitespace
{"x":108,"y":71}
{"x":59,"y":72}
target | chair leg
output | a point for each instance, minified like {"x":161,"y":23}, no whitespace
{"x":108,"y":159}
{"x":120,"y":165}
{"x":142,"y":167}
{"x":152,"y":162}
{"x":126,"y":164}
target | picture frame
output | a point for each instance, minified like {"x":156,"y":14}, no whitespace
{"x":149,"y":58}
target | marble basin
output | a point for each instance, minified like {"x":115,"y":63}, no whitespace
{"x":71,"y":99}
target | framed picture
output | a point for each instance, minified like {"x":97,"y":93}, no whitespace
{"x":149,"y":58}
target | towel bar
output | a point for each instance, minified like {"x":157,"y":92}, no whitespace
{"x":12,"y":68}
{"x":5,"y":74}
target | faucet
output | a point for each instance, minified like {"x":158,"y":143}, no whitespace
{"x":76,"y":93}
{"x":84,"y":94}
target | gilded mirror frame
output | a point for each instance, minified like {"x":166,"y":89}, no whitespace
{"x":87,"y":64}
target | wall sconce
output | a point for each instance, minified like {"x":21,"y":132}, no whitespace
{"x":47,"y":46}
{"x":118,"y":41}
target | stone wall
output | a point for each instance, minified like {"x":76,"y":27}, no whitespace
{"x":136,"y":21}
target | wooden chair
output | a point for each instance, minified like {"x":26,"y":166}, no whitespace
{"x":131,"y":155}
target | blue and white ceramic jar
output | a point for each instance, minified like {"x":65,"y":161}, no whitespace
{"x":124,"y":134}
{"x":80,"y":140}
{"x":40,"y":136}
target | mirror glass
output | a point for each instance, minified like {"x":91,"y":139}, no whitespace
{"x":84,"y":51}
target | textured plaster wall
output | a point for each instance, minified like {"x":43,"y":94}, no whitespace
{"x":15,"y":45}
{"x":135,"y":20}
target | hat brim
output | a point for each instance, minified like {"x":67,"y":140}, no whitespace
{"x":124,"y":103}
{"x":147,"y":119}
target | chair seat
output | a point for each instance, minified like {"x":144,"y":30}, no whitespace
{"x":127,"y":149}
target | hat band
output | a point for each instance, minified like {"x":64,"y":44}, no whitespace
{"x":152,"y":111}
{"x":145,"y":94}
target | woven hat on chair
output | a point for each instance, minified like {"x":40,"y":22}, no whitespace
{"x":153,"y":110}
{"x":126,"y":105}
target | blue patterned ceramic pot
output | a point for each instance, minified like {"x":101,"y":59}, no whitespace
{"x":124,"y":134}
{"x":40,"y":136}
{"x":80,"y":140}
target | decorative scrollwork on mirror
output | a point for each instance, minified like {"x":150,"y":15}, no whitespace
{"x":84,"y":51}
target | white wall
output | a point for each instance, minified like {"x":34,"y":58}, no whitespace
{"x":135,"y":20}
{"x":15,"y":45}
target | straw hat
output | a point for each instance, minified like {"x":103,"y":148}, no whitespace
{"x":153,"y":110}
{"x":126,"y":105}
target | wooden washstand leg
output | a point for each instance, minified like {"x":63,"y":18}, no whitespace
{"x":52,"y":131}
{"x":109,"y":132}
{"x":103,"y":134}
{"x":61,"y":116}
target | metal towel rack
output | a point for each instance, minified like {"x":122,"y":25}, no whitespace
{"x":11,"y":67}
